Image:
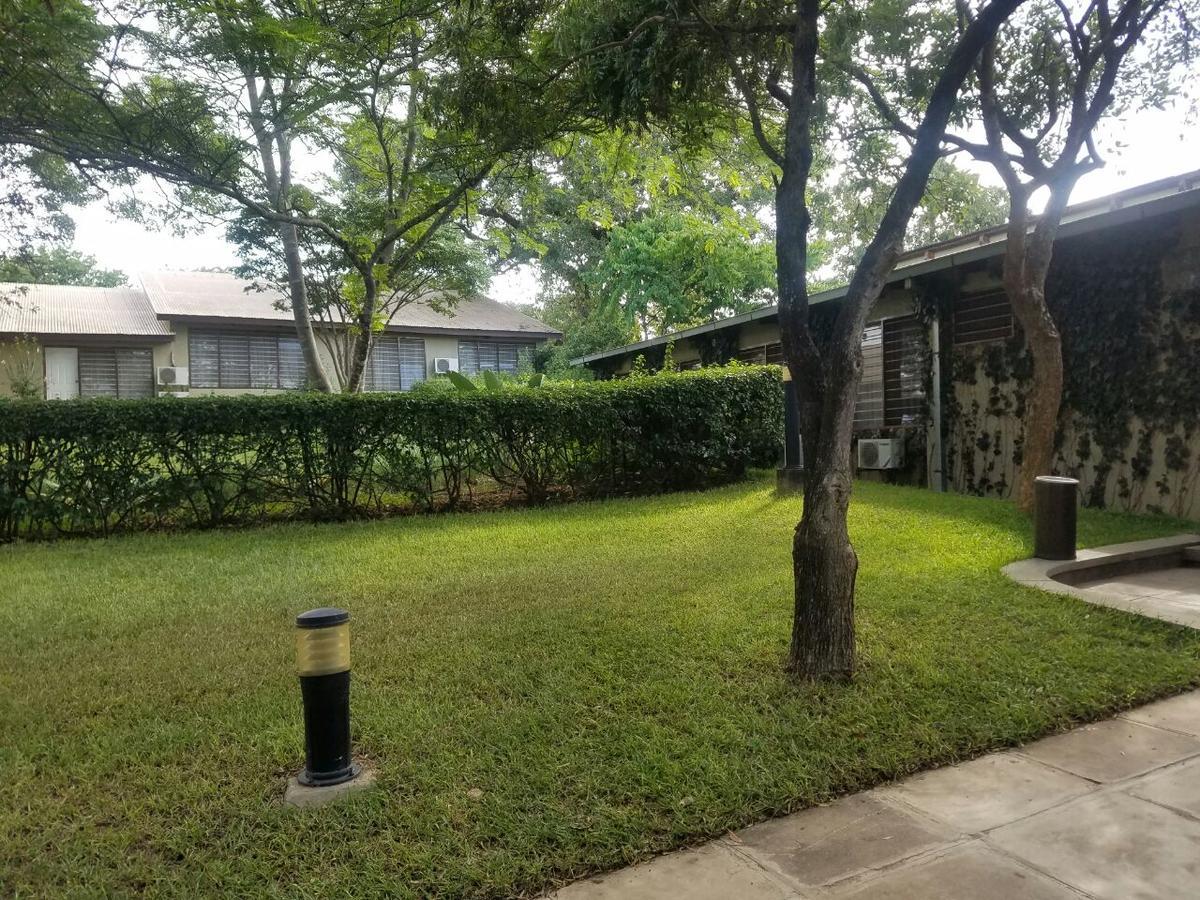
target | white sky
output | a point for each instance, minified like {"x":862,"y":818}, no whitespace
{"x":1144,"y":147}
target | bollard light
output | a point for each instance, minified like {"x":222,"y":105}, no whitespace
{"x":323,"y":663}
{"x":1054,"y":515}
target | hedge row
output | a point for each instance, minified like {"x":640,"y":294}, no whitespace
{"x":99,"y":466}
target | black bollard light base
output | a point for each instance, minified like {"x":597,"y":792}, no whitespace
{"x":789,"y":480}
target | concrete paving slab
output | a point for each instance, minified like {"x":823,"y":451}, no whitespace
{"x":711,"y":872}
{"x":988,"y":792}
{"x":1113,"y":750}
{"x":1178,"y":714}
{"x":825,"y":844}
{"x":971,"y":871}
{"x":1111,"y":845}
{"x":1178,"y":788}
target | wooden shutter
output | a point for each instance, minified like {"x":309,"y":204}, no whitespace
{"x":904,"y":361}
{"x":411,"y":361}
{"x":204,"y":357}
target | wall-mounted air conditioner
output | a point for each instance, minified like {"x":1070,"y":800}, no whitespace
{"x":444,"y":364}
{"x":880,"y":453}
{"x":173,"y":375}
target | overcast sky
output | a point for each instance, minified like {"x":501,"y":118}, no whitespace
{"x":1144,"y":147}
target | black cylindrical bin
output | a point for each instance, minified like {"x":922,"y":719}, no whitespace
{"x":1054,"y":513}
{"x":323,"y":662}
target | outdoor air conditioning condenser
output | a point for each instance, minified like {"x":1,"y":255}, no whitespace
{"x":444,"y":364}
{"x":880,"y":453}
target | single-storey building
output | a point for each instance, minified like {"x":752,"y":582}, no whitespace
{"x":945,"y":366}
{"x":186,"y":333}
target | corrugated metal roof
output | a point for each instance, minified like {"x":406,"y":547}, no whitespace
{"x":46,"y":309}
{"x":1133,"y":204}
{"x":218,"y":295}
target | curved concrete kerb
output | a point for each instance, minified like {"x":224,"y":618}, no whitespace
{"x":1139,"y":577}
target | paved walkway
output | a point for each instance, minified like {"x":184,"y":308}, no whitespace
{"x":1110,"y":810}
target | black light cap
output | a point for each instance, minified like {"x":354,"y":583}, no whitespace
{"x":322,"y":618}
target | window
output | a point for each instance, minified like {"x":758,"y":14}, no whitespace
{"x":904,"y":362}
{"x":868,"y":410}
{"x":116,"y":372}
{"x":771,"y":354}
{"x":396,"y":363}
{"x":496,"y":356}
{"x":245,"y":359}
{"x":982,"y":317}
{"x":892,"y":390}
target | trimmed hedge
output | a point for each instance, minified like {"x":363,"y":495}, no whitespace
{"x":100,"y":466}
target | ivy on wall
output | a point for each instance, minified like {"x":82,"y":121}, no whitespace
{"x":1127,"y":303}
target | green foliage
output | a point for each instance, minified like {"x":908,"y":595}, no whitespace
{"x":675,"y":269}
{"x":21,"y":365}
{"x":57,"y":265}
{"x":99,"y":466}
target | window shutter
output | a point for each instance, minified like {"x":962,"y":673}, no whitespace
{"x":412,"y":362}
{"x":983,"y":317}
{"x":468,"y":357}
{"x":135,"y":372}
{"x":264,"y":361}
{"x":97,"y":372}
{"x":293,"y":370}
{"x":904,"y":361}
{"x":383,"y":369}
{"x":235,"y":360}
{"x":868,"y":409}
{"x":204,"y":358}
{"x":506,"y":358}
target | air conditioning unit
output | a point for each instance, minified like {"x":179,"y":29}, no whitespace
{"x":173,"y":375}
{"x":444,"y":364}
{"x":880,"y":453}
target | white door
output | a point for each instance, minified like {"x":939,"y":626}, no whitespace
{"x":62,"y":373}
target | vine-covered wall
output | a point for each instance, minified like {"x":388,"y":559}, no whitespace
{"x":1127,"y":302}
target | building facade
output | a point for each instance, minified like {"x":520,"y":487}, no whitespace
{"x":188,"y":333}
{"x":945,"y":367}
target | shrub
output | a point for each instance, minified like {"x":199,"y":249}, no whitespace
{"x":98,"y":466}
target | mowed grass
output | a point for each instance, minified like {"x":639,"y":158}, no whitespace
{"x":607,"y":675}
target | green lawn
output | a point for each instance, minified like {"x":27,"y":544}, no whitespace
{"x":608,"y":675}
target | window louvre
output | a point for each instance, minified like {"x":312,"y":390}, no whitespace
{"x":497,"y":356}
{"x":904,"y":362}
{"x":982,"y":317}
{"x":868,"y":408}
{"x":116,"y":372}
{"x":412,"y":362}
{"x":245,"y":359}
{"x":383,"y":371}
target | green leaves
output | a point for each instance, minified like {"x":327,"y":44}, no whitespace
{"x":462,"y":382}
{"x":98,"y":466}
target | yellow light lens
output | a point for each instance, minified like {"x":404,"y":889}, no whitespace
{"x":787,"y":373}
{"x":323,"y":651}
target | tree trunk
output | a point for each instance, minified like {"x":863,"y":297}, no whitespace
{"x":824,"y":561}
{"x":1045,"y":390}
{"x":301,"y":314}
